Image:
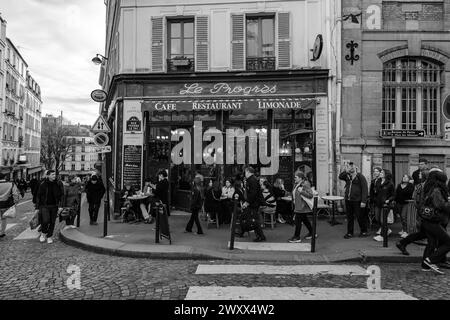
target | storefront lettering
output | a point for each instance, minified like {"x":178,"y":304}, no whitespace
{"x":279,"y":105}
{"x":160,"y":106}
{"x":225,"y":89}
{"x":217,"y":106}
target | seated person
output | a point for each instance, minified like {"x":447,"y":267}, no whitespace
{"x":284,"y":208}
{"x":270,"y":203}
{"x":129,"y":214}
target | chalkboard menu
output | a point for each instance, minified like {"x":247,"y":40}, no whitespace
{"x":132,"y":163}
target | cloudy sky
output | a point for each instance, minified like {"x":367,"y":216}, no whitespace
{"x":58,"y":39}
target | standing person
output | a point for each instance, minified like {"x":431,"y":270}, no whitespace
{"x":374,"y":185}
{"x":226,"y":203}
{"x":212,"y":200}
{"x":403,"y":193}
{"x":48,"y":202}
{"x":356,"y":192}
{"x":253,"y":201}
{"x":196,"y":205}
{"x":302,"y":190}
{"x":161,"y":191}
{"x":385,"y":196}
{"x":72,"y":200}
{"x":418,"y":175}
{"x":9,"y":196}
{"x":94,"y":194}
{"x":435,"y":217}
{"x":33,"y":186}
{"x":22,"y":186}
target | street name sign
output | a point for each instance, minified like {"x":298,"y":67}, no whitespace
{"x":391,"y":134}
{"x":106,"y":149}
{"x":101,"y":126}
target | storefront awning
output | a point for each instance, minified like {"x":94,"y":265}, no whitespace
{"x":34,"y":170}
{"x":230,"y":104}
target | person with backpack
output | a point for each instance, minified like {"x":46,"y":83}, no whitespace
{"x":9,"y":196}
{"x":196,"y":206}
{"x":49,"y":203}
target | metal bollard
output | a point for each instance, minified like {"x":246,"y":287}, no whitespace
{"x":233,"y":225}
{"x":314,"y":226}
{"x":157,"y":222}
{"x":385,"y":225}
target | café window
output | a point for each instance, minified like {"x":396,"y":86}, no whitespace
{"x":180,"y":45}
{"x":411,"y":95}
{"x":73,"y":167}
{"x":261,"y":42}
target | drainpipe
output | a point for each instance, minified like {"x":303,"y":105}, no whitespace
{"x":331,"y":92}
{"x":338,"y":47}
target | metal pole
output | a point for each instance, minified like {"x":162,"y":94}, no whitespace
{"x":106,"y":201}
{"x":314,"y":226}
{"x":393,"y":161}
{"x":157,"y":223}
{"x":385,"y":225}
{"x":233,"y":224}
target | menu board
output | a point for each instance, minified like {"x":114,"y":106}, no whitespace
{"x":132,"y":164}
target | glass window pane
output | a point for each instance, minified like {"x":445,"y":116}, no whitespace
{"x":189,"y":47}
{"x":175,"y":47}
{"x":175,"y":30}
{"x":189,"y":30}
{"x":252,"y":38}
{"x":268,"y":36}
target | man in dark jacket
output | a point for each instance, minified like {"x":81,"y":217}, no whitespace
{"x":48,"y":202}
{"x":418,"y":175}
{"x":355,"y":199}
{"x":161,"y":191}
{"x":95,"y":191}
{"x":253,"y":201}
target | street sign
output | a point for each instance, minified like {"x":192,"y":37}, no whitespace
{"x":106,"y":149}
{"x":101,"y":126}
{"x":390,"y":134}
{"x":101,"y":139}
{"x":99,"y":95}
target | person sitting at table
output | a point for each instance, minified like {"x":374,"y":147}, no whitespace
{"x":129,"y":215}
{"x":226,"y":203}
{"x":212,"y":200}
{"x":161,"y":192}
{"x":269,"y":205}
{"x":283,"y":213}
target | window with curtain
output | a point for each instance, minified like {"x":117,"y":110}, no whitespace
{"x":260,"y":42}
{"x":411,"y":95}
{"x":180,"y":44}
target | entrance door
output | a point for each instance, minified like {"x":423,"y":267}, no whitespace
{"x":401,"y":165}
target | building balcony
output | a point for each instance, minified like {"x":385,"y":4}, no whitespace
{"x":261,"y":64}
{"x":181,"y":64}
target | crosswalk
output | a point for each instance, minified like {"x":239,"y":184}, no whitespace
{"x":287,"y":293}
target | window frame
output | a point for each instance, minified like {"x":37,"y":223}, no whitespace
{"x":182,"y":38}
{"x":259,"y":17}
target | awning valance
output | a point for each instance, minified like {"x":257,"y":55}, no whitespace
{"x":229,"y":104}
{"x":34,"y":170}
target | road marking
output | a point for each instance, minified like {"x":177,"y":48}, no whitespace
{"x":291,"y":293}
{"x":24,"y":202}
{"x":28,"y":235}
{"x":252,"y":246}
{"x":10,"y":226}
{"x":339,"y":270}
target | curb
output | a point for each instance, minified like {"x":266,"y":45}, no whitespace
{"x":119,"y":249}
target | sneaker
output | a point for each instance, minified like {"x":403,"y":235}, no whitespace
{"x":49,"y":240}
{"x":281,"y":220}
{"x":402,"y":248}
{"x":404,"y":235}
{"x":309,"y":237}
{"x":348,"y":236}
{"x":401,"y":233}
{"x":432,"y":266}
{"x":295,"y":240}
{"x":42,"y":238}
{"x":379,"y":232}
{"x":363,"y":235}
{"x":378,"y":238}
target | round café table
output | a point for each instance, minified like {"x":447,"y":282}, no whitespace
{"x":333,"y":200}
{"x":137,"y":200}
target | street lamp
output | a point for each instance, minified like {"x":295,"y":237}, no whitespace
{"x":99,"y":59}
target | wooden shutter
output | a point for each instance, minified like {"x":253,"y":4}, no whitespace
{"x":202,"y":43}
{"x":157,"y":44}
{"x":284,"y":40}
{"x":238,"y":42}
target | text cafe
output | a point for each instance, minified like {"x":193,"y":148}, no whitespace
{"x":167,"y":125}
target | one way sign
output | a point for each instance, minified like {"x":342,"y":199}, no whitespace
{"x":100,"y":126}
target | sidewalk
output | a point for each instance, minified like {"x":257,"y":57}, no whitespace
{"x":138,"y":240}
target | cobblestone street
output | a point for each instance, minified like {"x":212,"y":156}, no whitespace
{"x":30,"y":270}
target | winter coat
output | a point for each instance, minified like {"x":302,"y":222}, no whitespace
{"x":72,"y":195}
{"x":47,"y":191}
{"x":95,"y":192}
{"x":300,"y":205}
{"x":437,"y":200}
{"x":254,"y":194}
{"x":385,"y":191}
{"x":355,"y":189}
{"x":196,"y":200}
{"x":374,"y":185}
{"x":404,"y":194}
{"x":162,"y":191}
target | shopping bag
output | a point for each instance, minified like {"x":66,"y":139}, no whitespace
{"x":309,"y":202}
{"x":10,"y":213}
{"x":390,"y":217}
{"x":34,"y":223}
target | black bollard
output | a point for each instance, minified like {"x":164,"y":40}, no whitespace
{"x":157,"y":222}
{"x":385,"y":225}
{"x":233,"y":225}
{"x":314,"y":226}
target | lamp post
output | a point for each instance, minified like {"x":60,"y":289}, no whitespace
{"x":99,"y":59}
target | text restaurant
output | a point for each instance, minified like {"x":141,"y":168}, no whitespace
{"x":183,"y":125}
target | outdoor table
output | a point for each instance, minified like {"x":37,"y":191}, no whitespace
{"x":139,"y":199}
{"x":333,"y":200}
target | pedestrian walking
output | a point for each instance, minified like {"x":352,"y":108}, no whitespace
{"x":196,"y":205}
{"x":385,"y":197}
{"x":9,"y":196}
{"x":356,"y":192}
{"x":403,"y":194}
{"x":212,"y":201}
{"x":301,"y":195}
{"x":95,"y":191}
{"x":48,"y":202}
{"x":33,"y":186}
{"x":22,"y":186}
{"x":161,"y":191}
{"x":72,"y":201}
{"x":253,"y":202}
{"x":418,"y":175}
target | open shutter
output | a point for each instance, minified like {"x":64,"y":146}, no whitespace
{"x":284,"y":40}
{"x":202,"y":43}
{"x":238,"y":42}
{"x":157,"y":44}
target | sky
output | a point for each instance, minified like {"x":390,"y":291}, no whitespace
{"x":58,"y":39}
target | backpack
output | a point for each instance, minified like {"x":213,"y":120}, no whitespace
{"x":425,"y":209}
{"x":7,"y":199}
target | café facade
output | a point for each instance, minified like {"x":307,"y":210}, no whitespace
{"x":152,"y":115}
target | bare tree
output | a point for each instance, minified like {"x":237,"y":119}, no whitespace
{"x":54,"y":147}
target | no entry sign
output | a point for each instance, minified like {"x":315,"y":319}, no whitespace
{"x":101,"y":139}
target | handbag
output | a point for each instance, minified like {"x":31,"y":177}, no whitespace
{"x":390,"y":217}
{"x":10,"y":213}
{"x":308,"y":201}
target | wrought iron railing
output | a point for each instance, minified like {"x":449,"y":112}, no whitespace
{"x":181,"y":65}
{"x":261,"y":64}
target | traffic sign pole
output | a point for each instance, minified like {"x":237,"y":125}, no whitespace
{"x":393,"y":155}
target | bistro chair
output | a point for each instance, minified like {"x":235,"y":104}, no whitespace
{"x":269,"y":216}
{"x":208,"y":219}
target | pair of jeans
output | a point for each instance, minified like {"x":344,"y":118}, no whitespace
{"x":48,"y":216}
{"x":93,"y":211}
{"x":254,"y":213}
{"x":437,"y":238}
{"x":354,"y":210}
{"x":298,"y":220}
{"x":402,"y":210}
{"x":196,"y":220}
